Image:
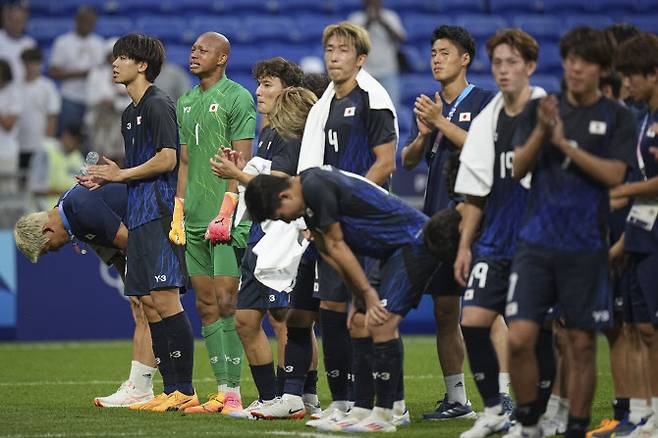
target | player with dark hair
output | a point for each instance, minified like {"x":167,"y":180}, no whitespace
{"x":437,"y":132}
{"x":153,"y":265}
{"x":492,"y":216}
{"x":577,"y":145}
{"x":637,"y":61}
{"x":345,"y":213}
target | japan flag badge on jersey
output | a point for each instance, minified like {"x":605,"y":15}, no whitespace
{"x":597,"y":127}
{"x":213,"y":108}
{"x":349,"y":112}
{"x":464,"y":117}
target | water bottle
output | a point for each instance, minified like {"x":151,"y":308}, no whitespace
{"x":90,"y":160}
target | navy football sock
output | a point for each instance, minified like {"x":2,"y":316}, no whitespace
{"x":264,"y":380}
{"x":387,"y":368}
{"x":547,"y":368}
{"x":299,"y":351}
{"x":484,"y":363}
{"x":337,"y":348}
{"x":161,"y":351}
{"x":181,"y":350}
{"x":364,"y":385}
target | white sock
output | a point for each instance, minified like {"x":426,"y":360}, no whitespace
{"x":222,"y":388}
{"x":552,"y":406}
{"x":562,"y":414}
{"x":311,"y":399}
{"x":639,"y":408}
{"x":234,"y":390}
{"x":399,"y":407}
{"x":503,"y":383}
{"x":141,"y":376}
{"x":654,"y":407}
{"x":383,"y":413}
{"x":455,"y":388}
{"x":494,"y":410}
{"x":343,"y":405}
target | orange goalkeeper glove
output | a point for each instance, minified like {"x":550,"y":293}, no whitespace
{"x":177,"y":232}
{"x":219,"y":229}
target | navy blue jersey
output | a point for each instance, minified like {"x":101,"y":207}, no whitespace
{"x":637,"y":239}
{"x":568,"y":210}
{"x":284,"y":155}
{"x":374,"y":223}
{"x":148,"y":127}
{"x":95,"y":215}
{"x":437,"y":195}
{"x":506,"y":201}
{"x":353,"y":129}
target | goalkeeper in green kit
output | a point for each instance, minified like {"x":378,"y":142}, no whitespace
{"x":216,"y":113}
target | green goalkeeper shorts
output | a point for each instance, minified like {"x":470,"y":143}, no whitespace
{"x":220,"y":260}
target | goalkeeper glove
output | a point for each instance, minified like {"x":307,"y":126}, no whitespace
{"x":177,"y":232}
{"x":219,"y":229}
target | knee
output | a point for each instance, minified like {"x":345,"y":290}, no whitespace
{"x":226,"y":302}
{"x":647,"y":334}
{"x":447,"y":313}
{"x":245,"y":325}
{"x":583,"y":345}
{"x":206,"y":306}
{"x":299,"y":318}
{"x":520,"y":344}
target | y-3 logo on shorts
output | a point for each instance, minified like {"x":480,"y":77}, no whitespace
{"x":160,"y":278}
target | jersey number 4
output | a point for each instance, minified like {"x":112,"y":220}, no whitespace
{"x":333,"y":139}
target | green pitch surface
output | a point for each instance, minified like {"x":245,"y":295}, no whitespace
{"x":47,"y":391}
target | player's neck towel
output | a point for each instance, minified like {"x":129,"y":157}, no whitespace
{"x":311,"y":153}
{"x":476,"y":169}
{"x":255,"y":166}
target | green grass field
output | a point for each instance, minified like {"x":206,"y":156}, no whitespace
{"x":46,"y":390}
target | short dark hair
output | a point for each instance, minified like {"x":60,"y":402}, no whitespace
{"x":639,"y":55}
{"x":623,"y":31}
{"x":611,"y":79}
{"x":142,"y":48}
{"x":441,"y":234}
{"x":459,"y":36}
{"x":316,"y":82}
{"x":288,"y":72}
{"x":593,"y":45}
{"x":5,"y":71}
{"x":33,"y":54}
{"x":262,"y":196}
{"x":516,"y":38}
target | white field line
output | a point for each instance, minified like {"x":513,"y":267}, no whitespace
{"x":242,"y":432}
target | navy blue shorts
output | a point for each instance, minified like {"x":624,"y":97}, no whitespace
{"x":152,"y":261}
{"x":641,"y":300}
{"x":405,"y":275}
{"x":303,"y":293}
{"x":577,"y":282}
{"x":488,"y":284}
{"x":331,"y":286}
{"x":252,"y":294}
{"x":443,"y":282}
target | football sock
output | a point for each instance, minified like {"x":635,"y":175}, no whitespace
{"x":337,"y":348}
{"x":547,"y":368}
{"x":264,"y":380}
{"x":400,"y":389}
{"x":504,"y":383}
{"x":527,"y":414}
{"x":455,"y":388}
{"x":364,"y":386}
{"x":621,"y":406}
{"x":577,"y":427}
{"x":141,"y":376}
{"x":484,"y":363}
{"x":280,"y":380}
{"x":311,"y":382}
{"x":299,"y":352}
{"x":212,"y":336}
{"x":232,"y":351}
{"x":387,"y":367}
{"x":162,"y":359}
{"x":181,"y":348}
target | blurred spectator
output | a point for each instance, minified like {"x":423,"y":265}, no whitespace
{"x":386,"y":34}
{"x":53,"y":168}
{"x":10,"y":108}
{"x":173,"y":80}
{"x":74,"y":55}
{"x":316,"y":82}
{"x":105,"y":103}
{"x":41,"y":105}
{"x":13,"y":40}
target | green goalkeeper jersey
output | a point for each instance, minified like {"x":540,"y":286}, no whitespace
{"x":208,"y":120}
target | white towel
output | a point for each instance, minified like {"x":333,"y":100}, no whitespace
{"x":255,"y":166}
{"x":476,"y":170}
{"x":311,"y":153}
{"x":279,"y":253}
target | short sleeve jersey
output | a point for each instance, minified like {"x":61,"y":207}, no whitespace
{"x":207,"y":120}
{"x":507,"y":200}
{"x":374,"y":223}
{"x":353,"y":129}
{"x":637,"y":239}
{"x":95,"y":215}
{"x":284,"y":155}
{"x":567,"y":210}
{"x":438,"y":147}
{"x":148,"y":127}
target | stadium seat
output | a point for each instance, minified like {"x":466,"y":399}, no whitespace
{"x":615,"y":7}
{"x":292,"y":8}
{"x":462,"y":6}
{"x":512,"y":7}
{"x":481,"y":26}
{"x":344,"y":7}
{"x":549,"y":59}
{"x":481,"y":62}
{"x":168,"y":29}
{"x":413,"y":85}
{"x":542,"y":27}
{"x":44,"y":30}
{"x":565,"y":7}
{"x":110,"y":26}
{"x":414,"y":6}
{"x":179,"y":54}
{"x":485,"y":81}
{"x":132,"y":7}
{"x":309,"y":27}
{"x":233,"y":29}
{"x":405,"y":116}
{"x":243,"y":79}
{"x":265,"y":28}
{"x":193,"y":8}
{"x":646,"y":6}
{"x":550,"y":83}
{"x":648,"y":23}
{"x":418,"y":61}
{"x":596,"y":21}
{"x":243,"y":58}
{"x":293,"y":53}
{"x":419,"y":27}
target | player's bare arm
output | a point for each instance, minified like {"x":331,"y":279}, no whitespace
{"x":384,"y":164}
{"x":471,"y":211}
{"x":163,"y":161}
{"x":413,"y":153}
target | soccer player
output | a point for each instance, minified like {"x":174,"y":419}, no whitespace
{"x":274,"y":76}
{"x":96,"y":218}
{"x":153,"y":265}
{"x":438,"y":131}
{"x":351,"y":216}
{"x":216,"y":113}
{"x":577,"y":145}
{"x":495,"y":211}
{"x":637,"y":61}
